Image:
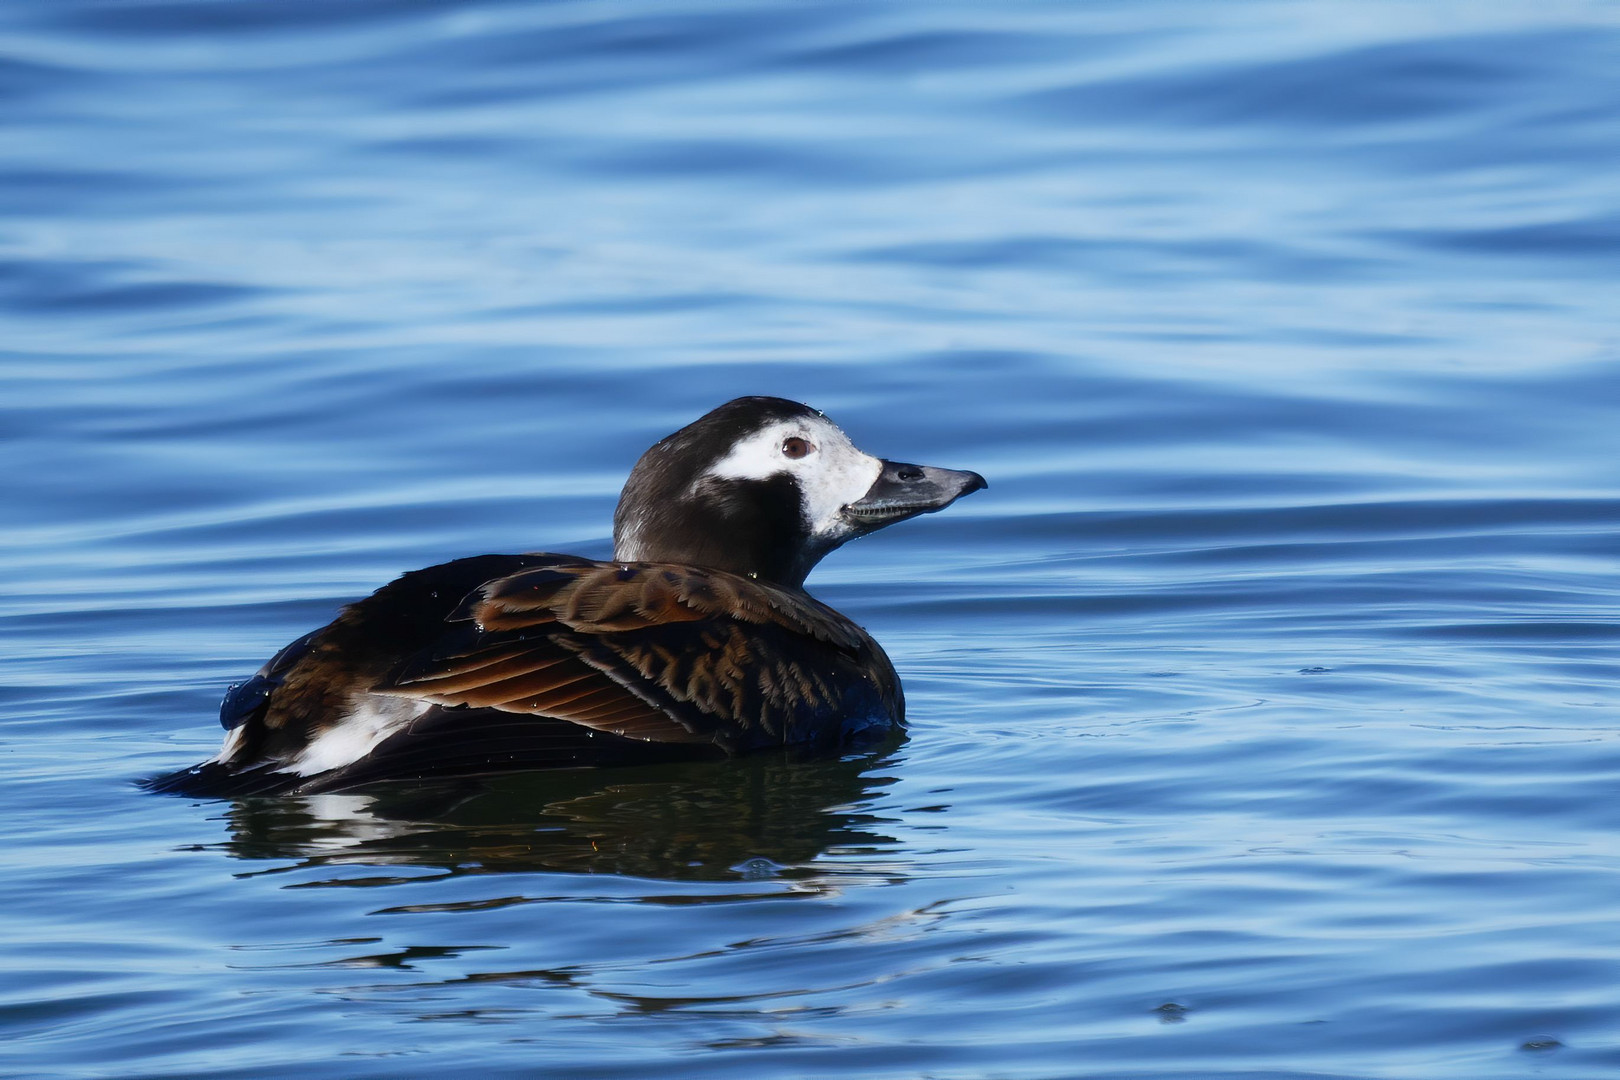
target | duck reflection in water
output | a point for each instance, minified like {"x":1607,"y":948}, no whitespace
{"x":762,"y":816}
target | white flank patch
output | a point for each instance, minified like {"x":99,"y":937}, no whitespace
{"x":831,"y":476}
{"x":233,"y":739}
{"x":356,"y":735}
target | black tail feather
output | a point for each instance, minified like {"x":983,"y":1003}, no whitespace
{"x":213,"y":780}
{"x":442,"y":743}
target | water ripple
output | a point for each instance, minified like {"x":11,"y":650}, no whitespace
{"x":1261,"y":711}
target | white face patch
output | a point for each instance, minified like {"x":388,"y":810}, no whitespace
{"x":831,"y":475}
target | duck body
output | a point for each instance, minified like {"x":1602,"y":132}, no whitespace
{"x":697,"y":640}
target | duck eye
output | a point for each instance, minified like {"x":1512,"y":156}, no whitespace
{"x":795,"y":447}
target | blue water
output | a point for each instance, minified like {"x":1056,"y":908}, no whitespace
{"x":1265,"y":718}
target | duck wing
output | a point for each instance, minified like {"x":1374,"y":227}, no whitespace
{"x":655,"y":652}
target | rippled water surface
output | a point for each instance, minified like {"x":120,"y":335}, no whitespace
{"x":1264,"y":712}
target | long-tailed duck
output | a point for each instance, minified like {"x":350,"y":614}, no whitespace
{"x":696,"y":640}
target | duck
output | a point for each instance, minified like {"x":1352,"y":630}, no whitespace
{"x":695,"y":640}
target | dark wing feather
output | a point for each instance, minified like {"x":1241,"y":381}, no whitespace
{"x":655,"y":652}
{"x":535,"y":670}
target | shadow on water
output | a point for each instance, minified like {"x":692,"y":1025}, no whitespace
{"x":755,"y":817}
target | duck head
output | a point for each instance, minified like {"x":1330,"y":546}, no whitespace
{"x":766,"y":487}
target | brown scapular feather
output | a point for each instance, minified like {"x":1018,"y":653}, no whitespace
{"x":651,"y":651}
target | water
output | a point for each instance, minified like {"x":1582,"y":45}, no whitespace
{"x":1263,"y":710}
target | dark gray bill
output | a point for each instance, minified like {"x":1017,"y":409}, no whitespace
{"x":903,"y":490}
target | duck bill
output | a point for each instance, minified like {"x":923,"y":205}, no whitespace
{"x":903,"y":491}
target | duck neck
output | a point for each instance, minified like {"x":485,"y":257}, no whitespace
{"x":757,"y":531}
